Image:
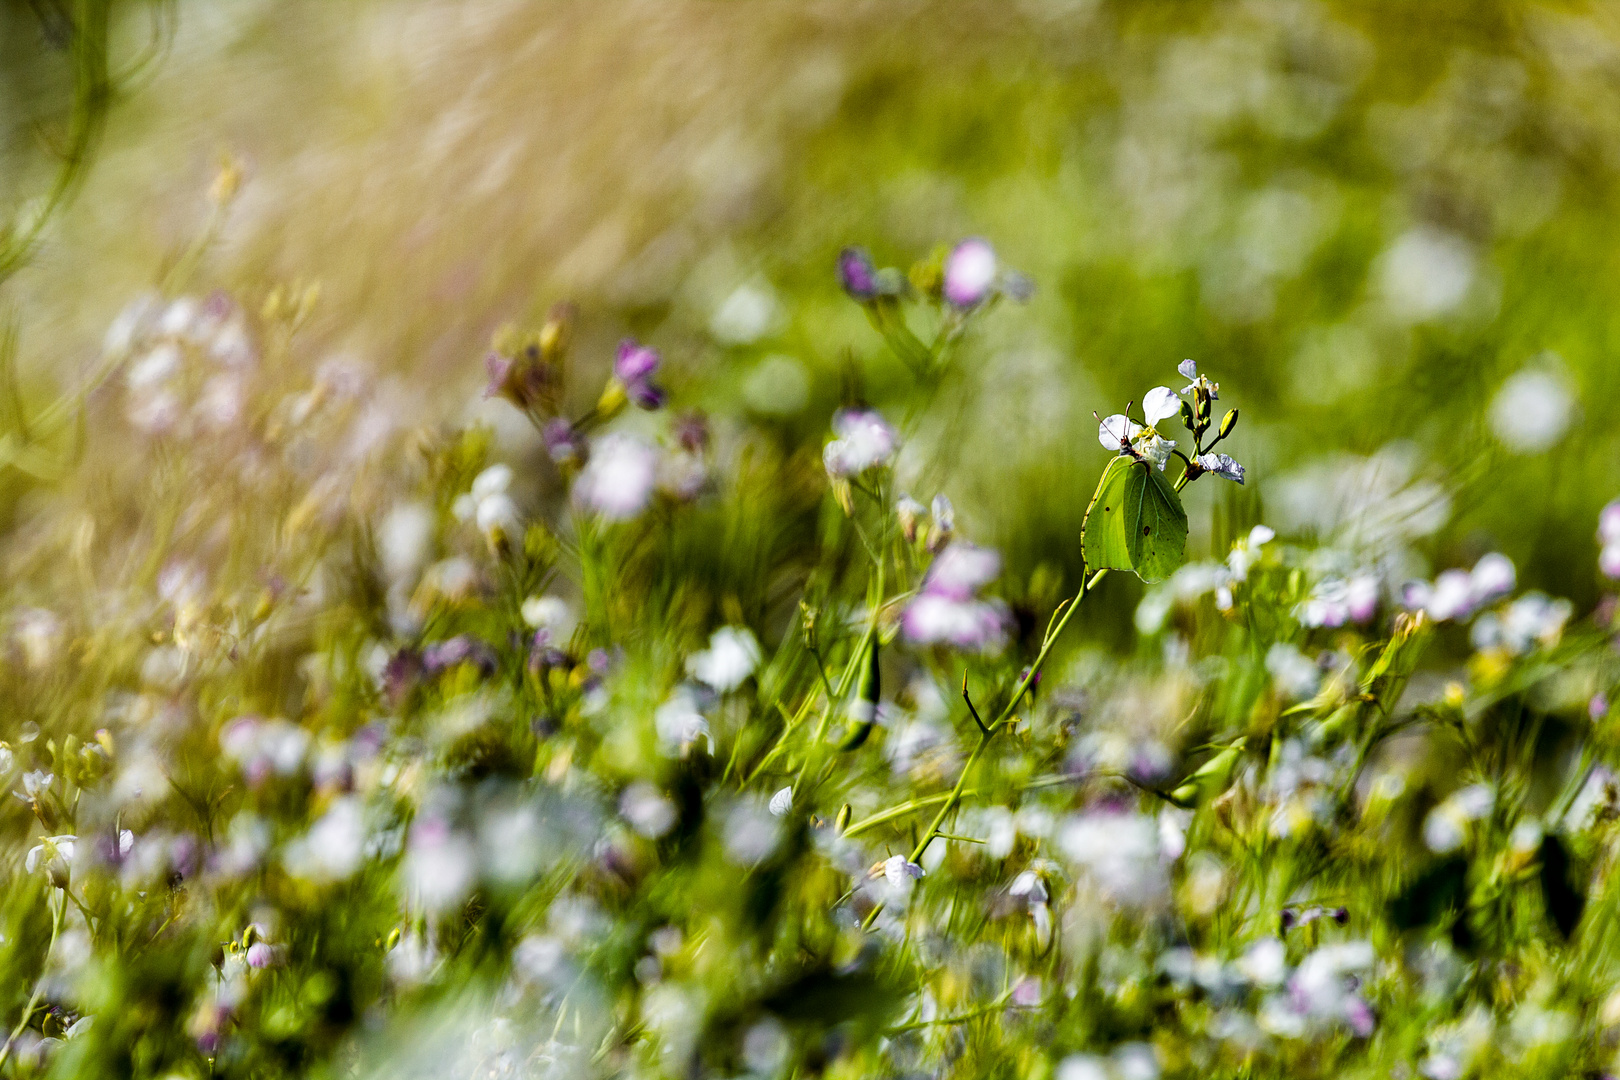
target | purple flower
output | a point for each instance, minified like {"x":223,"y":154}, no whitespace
{"x":461,"y":649}
{"x":262,"y":955}
{"x":961,"y":570}
{"x":634,"y":366}
{"x":635,"y":361}
{"x":400,"y":674}
{"x":563,"y":443}
{"x":857,"y":274}
{"x":947,"y":610}
{"x":864,"y":440}
{"x":970,"y":273}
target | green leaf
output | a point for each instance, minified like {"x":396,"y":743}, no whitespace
{"x":1135,"y":522}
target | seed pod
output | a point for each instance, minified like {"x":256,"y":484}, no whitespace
{"x":1228,"y":422}
{"x":1211,"y":777}
{"x":862,"y":708}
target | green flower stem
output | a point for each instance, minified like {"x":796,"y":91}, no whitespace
{"x":39,"y":985}
{"x":1006,"y":713}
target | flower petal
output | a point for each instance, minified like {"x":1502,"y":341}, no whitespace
{"x":1117,"y":431}
{"x":1160,"y":403}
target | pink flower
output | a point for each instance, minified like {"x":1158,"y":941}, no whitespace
{"x":970,"y":273}
{"x":864,"y":441}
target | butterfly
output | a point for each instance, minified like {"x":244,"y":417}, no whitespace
{"x":1135,"y":522}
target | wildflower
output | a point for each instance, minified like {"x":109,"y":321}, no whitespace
{"x":909,"y":512}
{"x":54,"y":856}
{"x":1122,"y":434}
{"x":970,"y":273}
{"x":440,"y":865}
{"x":618,"y":480}
{"x":489,"y":506}
{"x":1532,"y":410}
{"x":549,"y":613}
{"x":633,"y":366}
{"x":1221,"y":465}
{"x":261,"y":954}
{"x":564,"y":445}
{"x":1531,"y":620}
{"x":731,"y":657}
{"x":864,"y":441}
{"x":1246,"y":552}
{"x":1446,"y":827}
{"x":946,"y":608}
{"x":857,"y":275}
{"x":1121,"y":853}
{"x":782,"y":802}
{"x":334,"y":846}
{"x":1334,"y":601}
{"x":746,"y":315}
{"x":1609,"y":537}
{"x":749,"y":833}
{"x":461,"y":649}
{"x":901,"y":872}
{"x":647,"y":810}
{"x":680,"y":724}
{"x":944,"y":524}
{"x":1189,"y":371}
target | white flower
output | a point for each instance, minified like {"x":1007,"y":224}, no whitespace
{"x":1446,"y":827}
{"x":551,"y":614}
{"x":492,"y":481}
{"x":1154,"y":450}
{"x":1221,"y":465}
{"x":53,"y":855}
{"x":1121,"y":852}
{"x":1265,"y":963}
{"x":900,"y":872}
{"x":1028,"y":884}
{"x":333,"y":847}
{"x":619,"y":478}
{"x":1427,"y":272}
{"x":731,"y":657}
{"x":647,"y":810}
{"x":1118,"y":431}
{"x":679,"y":723}
{"x":1532,"y":410}
{"x":1293,"y":673}
{"x":1188,"y":369}
{"x":1492,"y":577}
{"x":864,"y":441}
{"x":782,"y":802}
{"x":1160,"y":403}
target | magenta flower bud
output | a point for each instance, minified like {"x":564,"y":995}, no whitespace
{"x":635,"y":361}
{"x":562,"y":442}
{"x":857,"y":274}
{"x":970,"y":273}
{"x":261,"y":955}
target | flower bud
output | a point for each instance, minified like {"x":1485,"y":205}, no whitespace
{"x":1228,"y":422}
{"x":613,"y":399}
{"x":841,"y":822}
{"x":1187,"y":415}
{"x":863,"y":708}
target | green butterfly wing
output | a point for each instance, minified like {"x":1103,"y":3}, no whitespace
{"x":1135,"y":522}
{"x":1159,"y":529}
{"x":1103,"y":539}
